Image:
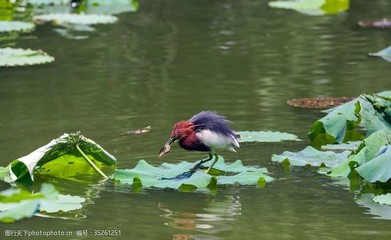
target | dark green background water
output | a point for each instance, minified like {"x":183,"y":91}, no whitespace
{"x":172,"y":59}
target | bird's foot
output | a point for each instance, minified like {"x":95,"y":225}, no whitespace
{"x":181,"y":176}
{"x":196,"y":167}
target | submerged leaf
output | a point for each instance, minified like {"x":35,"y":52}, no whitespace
{"x":177,"y":176}
{"x":10,"y":57}
{"x":260,"y":136}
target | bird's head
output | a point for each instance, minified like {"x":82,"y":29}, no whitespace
{"x":180,"y":130}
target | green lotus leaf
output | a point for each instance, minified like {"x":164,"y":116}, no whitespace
{"x":10,"y":26}
{"x":11,"y":212}
{"x":313,"y":7}
{"x":18,"y":203}
{"x":68,"y":18}
{"x":378,"y":168}
{"x":385,"y":54}
{"x":10,"y":57}
{"x":88,"y":7}
{"x":111,"y":7}
{"x":48,"y":2}
{"x":366,"y":152}
{"x":260,"y":136}
{"x":383,"y":199}
{"x":177,"y":176}
{"x":67,"y":156}
{"x":372,"y":111}
{"x":56,"y":202}
{"x":311,"y":156}
{"x":351,"y":146}
{"x":5,"y":175}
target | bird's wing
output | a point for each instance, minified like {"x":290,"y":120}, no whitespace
{"x":212,"y":121}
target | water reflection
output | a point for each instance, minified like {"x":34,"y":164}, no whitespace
{"x":211,"y":219}
{"x":376,"y":209}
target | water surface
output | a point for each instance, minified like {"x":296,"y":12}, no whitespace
{"x":172,"y":59}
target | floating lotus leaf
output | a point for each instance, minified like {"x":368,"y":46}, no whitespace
{"x":351,"y":146}
{"x":68,"y":156}
{"x":260,"y":136}
{"x":378,"y":168}
{"x":88,"y":7}
{"x":111,"y":7}
{"x":64,"y":18}
{"x":385,"y":54}
{"x":368,"y":150}
{"x":383,"y":199}
{"x":48,"y":2}
{"x":17,"y":203}
{"x":372,"y":111}
{"x":9,"y":26}
{"x":311,"y":156}
{"x":313,"y":7}
{"x":22,"y":57}
{"x":177,"y":176}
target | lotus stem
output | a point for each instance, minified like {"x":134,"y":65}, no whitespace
{"x":92,"y":164}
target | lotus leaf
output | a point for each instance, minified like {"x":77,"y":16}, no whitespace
{"x":378,"y":168}
{"x":259,"y":136}
{"x":9,"y":26}
{"x":368,"y":150}
{"x":68,"y":18}
{"x":178,"y":176}
{"x":372,"y":111}
{"x":313,"y":7}
{"x":21,"y":57}
{"x":65,"y":151}
{"x":88,"y":7}
{"x":47,"y":2}
{"x":385,"y":54}
{"x":351,"y":146}
{"x":17,"y":203}
{"x":383,"y":199}
{"x":311,"y":156}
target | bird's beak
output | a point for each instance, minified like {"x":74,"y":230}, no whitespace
{"x":166,"y":148}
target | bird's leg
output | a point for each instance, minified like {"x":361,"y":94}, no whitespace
{"x":201,"y":162}
{"x":214,"y":162}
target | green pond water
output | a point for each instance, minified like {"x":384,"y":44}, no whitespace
{"x":171,"y":59}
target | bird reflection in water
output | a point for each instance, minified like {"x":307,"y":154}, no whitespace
{"x":212,"y":219}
